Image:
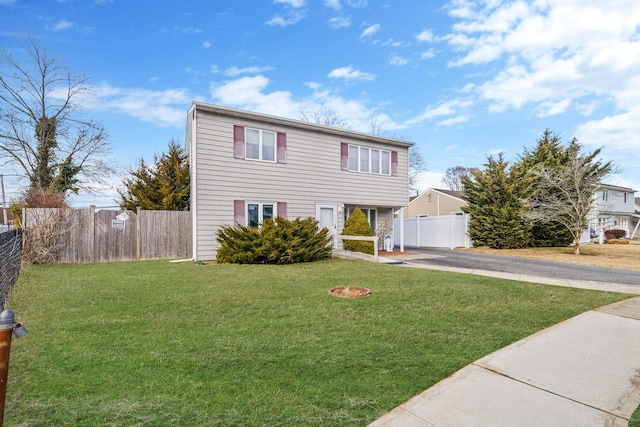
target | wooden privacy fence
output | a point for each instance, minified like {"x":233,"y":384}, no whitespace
{"x":86,"y":235}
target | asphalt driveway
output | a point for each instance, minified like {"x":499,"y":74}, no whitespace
{"x":449,"y":258}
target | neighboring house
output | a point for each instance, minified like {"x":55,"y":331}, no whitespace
{"x":247,"y":167}
{"x":636,"y":225}
{"x":436,"y":202}
{"x":614,"y":207}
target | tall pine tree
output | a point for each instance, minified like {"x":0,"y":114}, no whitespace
{"x":548,"y":153}
{"x":164,"y":185}
{"x":494,"y":201}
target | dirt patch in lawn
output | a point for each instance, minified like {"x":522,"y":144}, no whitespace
{"x":350,"y":292}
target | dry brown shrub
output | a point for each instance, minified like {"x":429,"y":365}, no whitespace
{"x":616,"y":242}
{"x":44,"y":225}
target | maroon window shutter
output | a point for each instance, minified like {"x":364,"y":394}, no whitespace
{"x":394,"y":163}
{"x":282,"y":147}
{"x":282,"y":209}
{"x":238,"y":142}
{"x":238,"y":212}
{"x":344,"y":156}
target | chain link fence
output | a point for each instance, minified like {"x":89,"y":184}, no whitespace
{"x":10,"y":262}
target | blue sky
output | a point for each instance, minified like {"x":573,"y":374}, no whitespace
{"x":462,"y":79}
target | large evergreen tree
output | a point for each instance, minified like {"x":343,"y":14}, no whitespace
{"x":548,"y":153}
{"x":164,"y":185}
{"x":494,"y":201}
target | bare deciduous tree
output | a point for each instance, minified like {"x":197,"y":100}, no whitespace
{"x":41,"y":129}
{"x":567,"y":193}
{"x":326,"y":116}
{"x":453,"y":177}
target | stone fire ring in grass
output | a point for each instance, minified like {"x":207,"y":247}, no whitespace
{"x":349,"y":292}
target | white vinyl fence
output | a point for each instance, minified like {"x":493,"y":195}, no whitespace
{"x":447,"y":231}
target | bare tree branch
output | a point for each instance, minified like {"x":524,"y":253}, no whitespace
{"x":566,"y":194}
{"x":453,"y":177}
{"x":41,"y":129}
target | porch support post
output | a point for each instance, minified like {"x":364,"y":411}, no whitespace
{"x":402,"y":229}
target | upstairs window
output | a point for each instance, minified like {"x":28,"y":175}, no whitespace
{"x":356,"y":158}
{"x":605,"y":195}
{"x":258,"y":144}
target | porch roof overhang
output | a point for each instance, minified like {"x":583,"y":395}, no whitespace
{"x":618,"y":213}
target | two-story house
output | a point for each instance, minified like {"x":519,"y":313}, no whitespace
{"x":614,"y":207}
{"x":247,"y":167}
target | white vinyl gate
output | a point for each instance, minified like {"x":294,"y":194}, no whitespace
{"x":447,"y":231}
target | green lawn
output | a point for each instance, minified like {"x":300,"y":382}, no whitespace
{"x":162,"y":344}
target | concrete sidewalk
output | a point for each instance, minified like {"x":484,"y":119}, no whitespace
{"x":582,"y":372}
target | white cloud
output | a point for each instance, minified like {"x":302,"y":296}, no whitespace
{"x":339,"y":22}
{"x":293,"y":3}
{"x":452,"y":121}
{"x":291,"y":18}
{"x":553,"y":107}
{"x":248,"y":93}
{"x":163,"y":108}
{"x":455,"y":107}
{"x":235,"y":71}
{"x":251,"y":93}
{"x":63,"y":25}
{"x":333,"y":4}
{"x":425,"y":36}
{"x":398,"y":61}
{"x":557,"y":57}
{"x":349,"y":73}
{"x":617,"y":131}
{"x":428,"y":54}
{"x":370,"y":30}
{"x":206,"y":44}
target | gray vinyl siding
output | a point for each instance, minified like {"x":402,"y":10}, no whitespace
{"x":312,"y":175}
{"x":615,"y":201}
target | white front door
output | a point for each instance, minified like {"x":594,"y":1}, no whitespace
{"x":327,"y":216}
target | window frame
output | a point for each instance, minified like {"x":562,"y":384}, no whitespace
{"x":365,"y":165}
{"x":261,"y":146}
{"x":261,"y":210}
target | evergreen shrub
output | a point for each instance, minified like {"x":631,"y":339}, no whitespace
{"x":357,"y":225}
{"x":275,"y":241}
